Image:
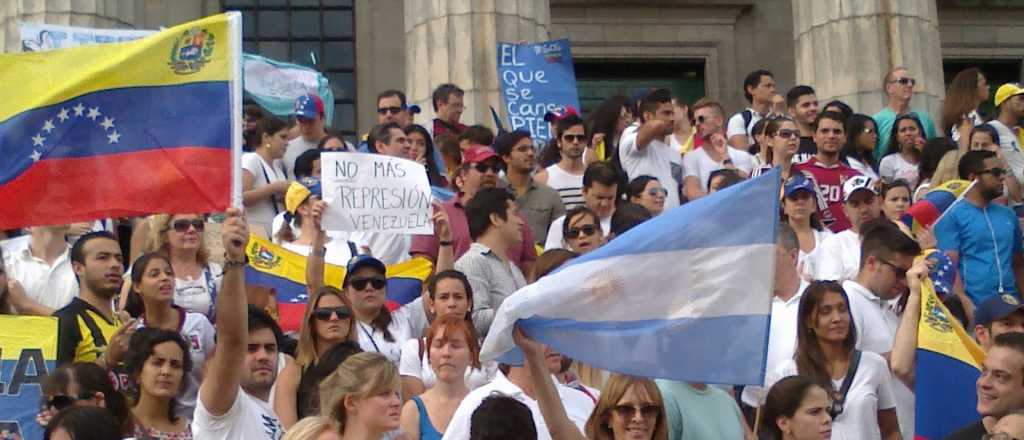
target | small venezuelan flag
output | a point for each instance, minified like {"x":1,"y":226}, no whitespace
{"x":927,"y":211}
{"x":121,"y":129}
{"x":284,"y":271}
{"x":28,"y":352}
{"x":948,"y":365}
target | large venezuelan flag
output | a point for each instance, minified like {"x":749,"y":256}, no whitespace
{"x":284,"y":271}
{"x":948,"y":365}
{"x":28,"y":352}
{"x":121,"y":129}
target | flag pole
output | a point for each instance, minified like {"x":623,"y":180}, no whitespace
{"x":235,"y":48}
{"x":958,"y":200}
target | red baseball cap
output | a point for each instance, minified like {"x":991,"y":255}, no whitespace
{"x":478,"y":153}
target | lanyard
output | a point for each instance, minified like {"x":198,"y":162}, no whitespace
{"x":263,"y":166}
{"x":370,"y":335}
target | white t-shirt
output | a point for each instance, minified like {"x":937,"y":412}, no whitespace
{"x":736,"y":127}
{"x":839,"y":257}
{"x":807,"y":262}
{"x":262,"y":213}
{"x":338,"y":252}
{"x":1010,"y":146}
{"x":781,"y":341}
{"x":655,"y":160}
{"x":413,"y":365}
{"x":389,"y":248}
{"x":199,"y":334}
{"x":196,"y":294}
{"x":577,"y":407}
{"x":249,"y":418}
{"x":870,"y":391}
{"x":894,"y":166}
{"x":698,"y":164}
{"x":295,"y":149}
{"x":861,"y":167}
{"x":554,"y":240}
{"x":408,"y":322}
{"x":52,"y":286}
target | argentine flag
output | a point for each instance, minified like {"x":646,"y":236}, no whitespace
{"x":684,"y":296}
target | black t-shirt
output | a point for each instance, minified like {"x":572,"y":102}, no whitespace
{"x":973,"y":431}
{"x":807,"y":146}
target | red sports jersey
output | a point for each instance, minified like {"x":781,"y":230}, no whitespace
{"x":829,"y":180}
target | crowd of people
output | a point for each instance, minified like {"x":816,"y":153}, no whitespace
{"x":161,"y":338}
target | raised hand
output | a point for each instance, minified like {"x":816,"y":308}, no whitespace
{"x":234,"y":234}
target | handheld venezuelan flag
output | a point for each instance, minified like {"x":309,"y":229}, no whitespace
{"x":284,"y":271}
{"x":948,"y":365}
{"x":28,"y":352}
{"x":122,"y":129}
{"x":927,"y":211}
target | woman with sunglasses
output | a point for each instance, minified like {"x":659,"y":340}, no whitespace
{"x":906,"y":142}
{"x":197,"y":279}
{"x":82,"y":384}
{"x":150,"y":300}
{"x":452,"y":349}
{"x":629,"y":408}
{"x":327,"y":323}
{"x":647,"y":191}
{"x":581,"y":230}
{"x":158,"y":363}
{"x":796,"y":409}
{"x":859,"y":383}
{"x":861,"y":141}
{"x":450,"y":294}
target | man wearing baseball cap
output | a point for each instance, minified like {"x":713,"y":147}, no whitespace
{"x":1009,"y":103}
{"x":997,"y":315}
{"x":480,"y":168}
{"x":309,"y":112}
{"x":839,"y":258}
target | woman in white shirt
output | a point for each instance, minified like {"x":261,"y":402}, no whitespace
{"x":901,"y":162}
{"x":300,"y":200}
{"x":450,"y":294}
{"x":825,"y":353}
{"x":264,"y":176}
{"x":861,"y":141}
{"x":362,"y":397}
{"x":799,"y":209}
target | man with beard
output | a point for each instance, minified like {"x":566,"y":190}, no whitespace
{"x":983,"y":238}
{"x":566,"y":176}
{"x":540,"y":204}
{"x":828,"y":171}
{"x":88,"y":325}
{"x":233,"y":399}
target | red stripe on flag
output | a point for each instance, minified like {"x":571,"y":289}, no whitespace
{"x":169,"y":180}
{"x":925,"y":213}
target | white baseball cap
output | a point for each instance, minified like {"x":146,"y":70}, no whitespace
{"x":858,"y":183}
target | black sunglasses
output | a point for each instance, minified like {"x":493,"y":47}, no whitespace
{"x":182,"y":225}
{"x":581,"y":138}
{"x":628,"y":411}
{"x":906,"y":81}
{"x":483,"y":167}
{"x":587,"y":230}
{"x":360,"y":283}
{"x":58,"y":402}
{"x":899,"y":271}
{"x":995,"y":172}
{"x":392,"y":110}
{"x":325,"y":313}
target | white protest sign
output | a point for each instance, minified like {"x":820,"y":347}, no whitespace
{"x":375,"y":193}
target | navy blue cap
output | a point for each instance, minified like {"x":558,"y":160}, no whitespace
{"x":995,"y":308}
{"x":363,"y":260}
{"x":797,"y":182}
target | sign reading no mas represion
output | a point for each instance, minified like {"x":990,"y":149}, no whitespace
{"x":375,"y":193}
{"x":536,"y":78}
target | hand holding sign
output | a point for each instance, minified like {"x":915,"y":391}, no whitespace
{"x":375,"y":193}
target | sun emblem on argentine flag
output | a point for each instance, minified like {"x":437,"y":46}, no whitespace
{"x":602,"y":286}
{"x":67,"y":119}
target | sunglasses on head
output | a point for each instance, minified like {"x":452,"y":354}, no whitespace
{"x":628,"y":411}
{"x":325,"y":313}
{"x":574,"y":137}
{"x":182,"y":225}
{"x":905,"y":81}
{"x":361,"y":283}
{"x":483,"y":167}
{"x":587,"y":230}
{"x":392,"y":110}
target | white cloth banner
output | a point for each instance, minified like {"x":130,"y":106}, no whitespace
{"x":37,"y":37}
{"x":375,"y":193}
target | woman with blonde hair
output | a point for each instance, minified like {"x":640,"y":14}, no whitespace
{"x":362,"y":397}
{"x":313,"y":428}
{"x":327,"y":323}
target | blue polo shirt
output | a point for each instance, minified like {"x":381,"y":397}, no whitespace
{"x":987,"y":239}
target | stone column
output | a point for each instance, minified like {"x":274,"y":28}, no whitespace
{"x":844,"y":48}
{"x":455,"y":41}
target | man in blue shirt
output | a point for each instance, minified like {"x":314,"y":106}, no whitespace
{"x":983,"y":238}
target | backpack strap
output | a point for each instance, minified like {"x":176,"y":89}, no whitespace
{"x":851,"y":371}
{"x":97,"y":336}
{"x":747,"y":117}
{"x":420,"y":342}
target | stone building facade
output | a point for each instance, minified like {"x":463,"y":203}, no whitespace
{"x":695,"y":47}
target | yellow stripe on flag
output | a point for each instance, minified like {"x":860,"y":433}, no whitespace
{"x":196,"y":51}
{"x":939,"y":332}
{"x":18,"y":333}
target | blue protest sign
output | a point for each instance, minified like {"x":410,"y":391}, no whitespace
{"x":536,"y":78}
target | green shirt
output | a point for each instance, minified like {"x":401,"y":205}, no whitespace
{"x":695,"y":414}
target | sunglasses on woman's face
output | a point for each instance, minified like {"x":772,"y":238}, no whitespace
{"x":182,"y":225}
{"x":361,"y":283}
{"x":655,"y":192}
{"x":586,"y":230}
{"x":58,"y":402}
{"x":325,"y":313}
{"x":787,"y":134}
{"x":628,"y":411}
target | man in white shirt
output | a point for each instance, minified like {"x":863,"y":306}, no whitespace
{"x":43,"y":270}
{"x":566,"y":176}
{"x":233,"y":399}
{"x":390,"y":140}
{"x":886,"y":256}
{"x":839,"y":258}
{"x":786,"y":294}
{"x":759,"y":89}
{"x":600,"y":186}
{"x":643,"y":149}
{"x":309,"y":112}
{"x":1009,"y":101}
{"x":715,"y":154}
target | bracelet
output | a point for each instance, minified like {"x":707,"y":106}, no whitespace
{"x":228,"y":264}
{"x":445,"y":243}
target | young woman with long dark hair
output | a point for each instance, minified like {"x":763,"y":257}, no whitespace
{"x":906,"y":142}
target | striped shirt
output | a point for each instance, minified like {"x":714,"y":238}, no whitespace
{"x":568,"y":186}
{"x":492,"y":278}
